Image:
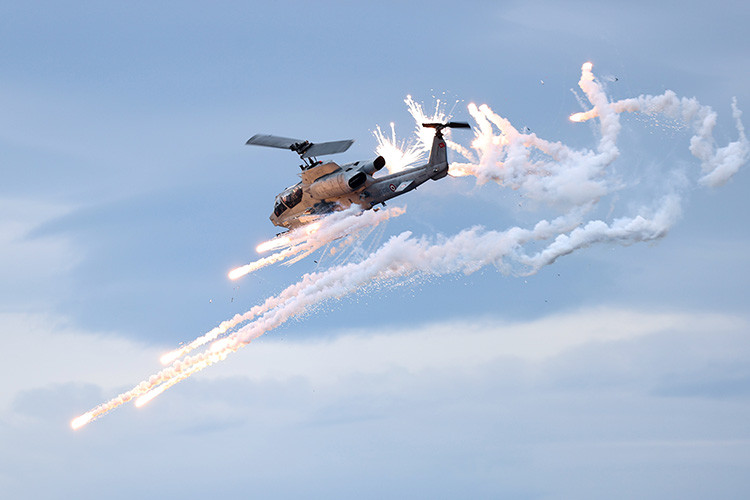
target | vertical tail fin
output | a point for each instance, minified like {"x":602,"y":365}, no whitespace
{"x":438,"y":155}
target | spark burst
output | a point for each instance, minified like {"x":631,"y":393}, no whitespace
{"x":402,"y":154}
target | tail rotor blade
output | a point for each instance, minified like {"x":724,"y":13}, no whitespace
{"x":441,"y":126}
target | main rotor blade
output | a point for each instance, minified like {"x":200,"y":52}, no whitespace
{"x":273,"y":141}
{"x":327,"y":148}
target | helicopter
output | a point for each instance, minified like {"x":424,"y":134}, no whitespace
{"x":326,"y":187}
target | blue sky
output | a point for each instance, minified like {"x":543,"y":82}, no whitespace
{"x":128,"y":193}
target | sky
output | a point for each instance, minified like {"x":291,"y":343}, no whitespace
{"x":618,"y":370}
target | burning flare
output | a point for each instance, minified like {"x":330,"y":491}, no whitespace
{"x":79,"y":422}
{"x":301,"y":242}
{"x":582,"y":117}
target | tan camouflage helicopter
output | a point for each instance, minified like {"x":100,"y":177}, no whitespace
{"x":326,"y":187}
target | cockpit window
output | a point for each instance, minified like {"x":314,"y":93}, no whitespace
{"x":292,"y":196}
{"x":278,"y":208}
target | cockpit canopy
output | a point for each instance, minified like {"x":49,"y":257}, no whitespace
{"x":288,"y":199}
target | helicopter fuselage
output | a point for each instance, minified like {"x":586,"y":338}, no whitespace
{"x":326,"y":187}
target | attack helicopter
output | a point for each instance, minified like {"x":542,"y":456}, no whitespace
{"x":326,"y":187}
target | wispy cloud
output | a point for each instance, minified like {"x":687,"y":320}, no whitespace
{"x":29,"y":262}
{"x":590,"y":385}
{"x":460,"y":345}
{"x":49,"y":351}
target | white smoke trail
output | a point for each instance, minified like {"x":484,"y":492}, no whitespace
{"x":301,"y":242}
{"x":544,"y":171}
{"x":571,"y":180}
{"x":718,"y":164}
{"x":402,"y":255}
{"x":565,"y":177}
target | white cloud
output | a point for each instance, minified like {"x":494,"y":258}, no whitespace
{"x":41,"y":350}
{"x":410,"y":404}
{"x":27,"y":262}
{"x":459,"y":345}
{"x":46,"y":350}
{"x":438,"y":393}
